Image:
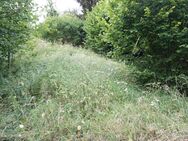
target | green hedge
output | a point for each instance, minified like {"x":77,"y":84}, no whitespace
{"x":159,"y":28}
{"x":66,"y":28}
{"x":152,"y":34}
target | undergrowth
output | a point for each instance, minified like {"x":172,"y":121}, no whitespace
{"x":64,"y":93}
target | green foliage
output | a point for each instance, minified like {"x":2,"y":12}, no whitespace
{"x":50,"y":8}
{"x":15,"y":23}
{"x":152,"y":34}
{"x":159,"y":28}
{"x":65,"y":29}
{"x":87,"y":4}
{"x":96,"y":27}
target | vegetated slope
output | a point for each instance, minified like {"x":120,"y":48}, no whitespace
{"x":55,"y":89}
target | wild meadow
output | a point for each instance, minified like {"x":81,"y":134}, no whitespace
{"x":116,"y":72}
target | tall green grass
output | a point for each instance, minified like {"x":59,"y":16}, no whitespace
{"x":54,"y":89}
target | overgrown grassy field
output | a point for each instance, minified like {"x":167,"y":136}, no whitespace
{"x":54,"y":90}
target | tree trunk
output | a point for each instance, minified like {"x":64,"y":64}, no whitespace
{"x":9,"y":60}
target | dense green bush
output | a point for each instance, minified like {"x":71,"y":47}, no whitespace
{"x":96,"y":27}
{"x":159,"y":28}
{"x":15,"y":23}
{"x":66,"y":28}
{"x":87,"y":5}
{"x":152,"y":34}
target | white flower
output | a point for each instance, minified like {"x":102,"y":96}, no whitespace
{"x":79,"y":128}
{"x":140,"y":99}
{"x":121,"y":82}
{"x":118,"y":82}
{"x":125,"y":90}
{"x":48,"y":101}
{"x":157,"y":100}
{"x":166,"y":88}
{"x":21,"y":126}
{"x":22,"y":83}
{"x":83,"y":122}
{"x":20,"y":135}
{"x":43,"y":115}
{"x":153,"y":103}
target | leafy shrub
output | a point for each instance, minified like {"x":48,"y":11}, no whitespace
{"x":66,"y":28}
{"x":158,"y":28}
{"x":96,"y":26}
{"x":16,"y":17}
{"x":152,"y":34}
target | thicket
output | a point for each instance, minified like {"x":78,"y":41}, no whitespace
{"x":153,"y":35}
{"x":64,"y":29}
{"x":87,"y":5}
{"x":96,"y":27}
{"x":16,"y":18}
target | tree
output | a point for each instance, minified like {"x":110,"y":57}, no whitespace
{"x":95,"y":26}
{"x":15,"y":25}
{"x":50,"y":8}
{"x":87,"y":4}
{"x":153,"y":35}
{"x":65,"y":29}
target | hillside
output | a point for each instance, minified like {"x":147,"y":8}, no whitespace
{"x":64,"y":93}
